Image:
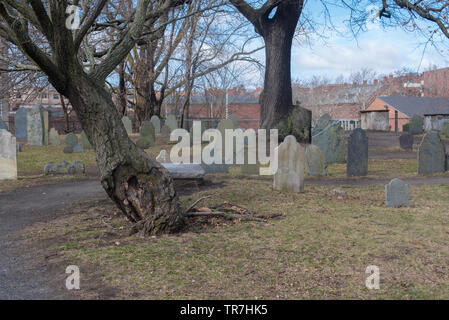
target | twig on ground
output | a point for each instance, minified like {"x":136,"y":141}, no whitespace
{"x":196,"y":202}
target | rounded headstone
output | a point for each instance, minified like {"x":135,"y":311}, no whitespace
{"x":156,"y":124}
{"x":71,"y":140}
{"x":397,"y":194}
{"x":431,"y":154}
{"x":406,"y":141}
{"x":315,"y":161}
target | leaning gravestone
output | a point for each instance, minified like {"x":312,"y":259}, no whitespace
{"x":406,"y":141}
{"x":397,"y":194}
{"x":331,"y":141}
{"x":20,"y":123}
{"x":171,"y":122}
{"x":85,"y":141}
{"x":431,"y":154}
{"x":147,"y":136}
{"x":416,"y":125}
{"x":128,"y":125}
{"x":290,"y":174}
{"x":156,"y":124}
{"x":53,"y":137}
{"x":357,"y":163}
{"x":165,"y":131}
{"x":3,"y":125}
{"x":445,"y":130}
{"x":35,"y":129}
{"x":315,"y":161}
{"x":8,"y":156}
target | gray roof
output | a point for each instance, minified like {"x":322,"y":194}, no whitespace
{"x":239,"y":99}
{"x":418,"y":106}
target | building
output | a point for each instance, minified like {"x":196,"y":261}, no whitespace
{"x":402,"y":109}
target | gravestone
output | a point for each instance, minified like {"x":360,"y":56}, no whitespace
{"x":171,"y":122}
{"x":3,"y":125}
{"x":147,"y":136}
{"x":406,"y":141}
{"x":431,"y":154}
{"x":64,"y":167}
{"x":445,"y":130}
{"x":71,"y":140}
{"x":357,"y":162}
{"x":54,"y":138}
{"x":185,"y":171}
{"x":156,"y":124}
{"x":397,"y":194}
{"x":128,"y":125}
{"x":35,"y":129}
{"x":315,"y":161}
{"x":85,"y":141}
{"x":331,"y":141}
{"x":20,"y":124}
{"x":290,"y":174}
{"x":78,"y":149}
{"x":165,"y":131}
{"x":163,"y":157}
{"x":416,"y":125}
{"x":322,"y":123}
{"x":8,"y":156}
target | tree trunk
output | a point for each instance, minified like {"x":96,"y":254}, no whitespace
{"x":122,"y":92}
{"x":139,"y":185}
{"x":66,"y":114}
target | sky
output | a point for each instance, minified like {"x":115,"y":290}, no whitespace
{"x":338,"y":53}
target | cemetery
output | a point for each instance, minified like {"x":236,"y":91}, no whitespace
{"x":224,"y":150}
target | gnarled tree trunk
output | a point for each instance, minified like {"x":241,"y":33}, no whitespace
{"x":139,"y":185}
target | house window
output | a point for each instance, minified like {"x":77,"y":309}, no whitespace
{"x":56,"y":96}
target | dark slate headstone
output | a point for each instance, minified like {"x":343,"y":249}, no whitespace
{"x":397,"y":194}
{"x":20,"y":123}
{"x":406,"y":141}
{"x":3,"y":125}
{"x":357,"y":163}
{"x":331,"y":141}
{"x":431,"y":154}
{"x":147,"y":130}
{"x":416,"y":125}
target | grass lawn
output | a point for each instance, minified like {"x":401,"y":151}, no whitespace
{"x":320,"y":249}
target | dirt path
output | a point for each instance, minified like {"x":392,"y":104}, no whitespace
{"x":19,"y":277}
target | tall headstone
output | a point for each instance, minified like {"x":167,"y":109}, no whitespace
{"x":8,"y":156}
{"x":35,"y":123}
{"x":357,"y":162}
{"x":431,"y":154}
{"x":85,"y":141}
{"x":315,"y":161}
{"x":147,"y":136}
{"x":20,"y":124}
{"x":291,"y":161}
{"x":397,"y":194}
{"x":128,"y":125}
{"x":416,"y":125}
{"x":171,"y":122}
{"x":406,"y":141}
{"x":165,"y":131}
{"x":329,"y":136}
{"x":54,"y":138}
{"x":71,"y":140}
{"x":156,"y":124}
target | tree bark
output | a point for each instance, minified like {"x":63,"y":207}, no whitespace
{"x":139,"y":185}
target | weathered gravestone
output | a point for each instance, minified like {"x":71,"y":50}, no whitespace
{"x":147,"y":136}
{"x":71,"y":140}
{"x":431,"y":154}
{"x":3,"y":125}
{"x":64,"y":167}
{"x":171,"y":122}
{"x":406,"y":141}
{"x":445,"y":130}
{"x":185,"y":171}
{"x":85,"y":141}
{"x":54,"y":138}
{"x":156,"y":124}
{"x":163,"y":157}
{"x":357,"y":162}
{"x":315,"y":161}
{"x":20,"y":123}
{"x":128,"y":125}
{"x":165,"y":131}
{"x":329,"y":136}
{"x":8,"y":156}
{"x":416,"y":125}
{"x":397,"y":194}
{"x":289,"y":176}
{"x":35,"y":129}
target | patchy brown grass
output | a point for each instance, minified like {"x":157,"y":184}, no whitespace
{"x":319,"y":250}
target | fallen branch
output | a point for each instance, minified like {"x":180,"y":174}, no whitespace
{"x":196,"y":202}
